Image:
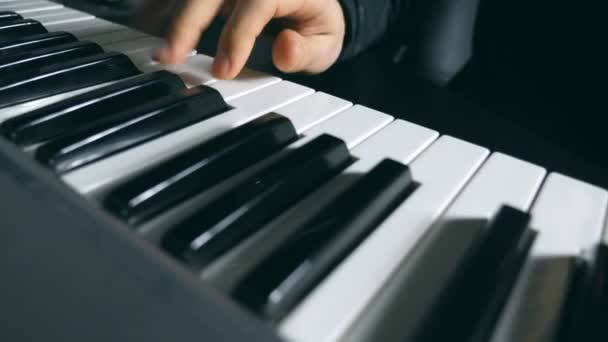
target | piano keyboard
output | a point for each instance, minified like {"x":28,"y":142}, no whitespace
{"x":327,"y":220}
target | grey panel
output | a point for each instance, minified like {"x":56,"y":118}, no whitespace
{"x":70,"y":273}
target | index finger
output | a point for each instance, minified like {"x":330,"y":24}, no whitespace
{"x":194,"y":17}
{"x":245,"y":24}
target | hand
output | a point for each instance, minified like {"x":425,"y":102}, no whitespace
{"x":310,"y":42}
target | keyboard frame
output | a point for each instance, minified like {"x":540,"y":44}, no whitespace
{"x":61,"y":282}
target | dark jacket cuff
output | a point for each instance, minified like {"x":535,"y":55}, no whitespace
{"x":366,"y":22}
{"x":349,"y":9}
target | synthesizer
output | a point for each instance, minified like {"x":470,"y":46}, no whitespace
{"x":146,"y":201}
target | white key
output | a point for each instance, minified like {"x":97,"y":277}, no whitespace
{"x":374,"y":121}
{"x":25,"y":7}
{"x":85,"y":29}
{"x":401,"y":141}
{"x":569,"y":216}
{"x":330,"y":310}
{"x":605,"y":240}
{"x":142,"y":60}
{"x":148,"y":43}
{"x":304,"y":113}
{"x":312,"y":110}
{"x":123,"y":35}
{"x":59,"y":15}
{"x":582,"y":209}
{"x":248,"y":82}
{"x":196,"y":70}
{"x":413,"y":290}
{"x":17,"y":3}
{"x":97,"y":177}
{"x":503,"y":180}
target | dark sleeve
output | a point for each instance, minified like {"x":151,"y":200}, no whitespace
{"x":366,"y":22}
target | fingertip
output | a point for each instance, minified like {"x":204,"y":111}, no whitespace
{"x":222,"y":67}
{"x":288,"y":51}
{"x":163,"y":54}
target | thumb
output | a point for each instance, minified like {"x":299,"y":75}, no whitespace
{"x":294,"y":52}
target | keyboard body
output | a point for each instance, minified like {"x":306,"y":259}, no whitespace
{"x":72,"y":272}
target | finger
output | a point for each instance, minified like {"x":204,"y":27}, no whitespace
{"x":194,"y":17}
{"x":150,"y":15}
{"x":227,"y":8}
{"x":293,"y":52}
{"x":246,"y":22}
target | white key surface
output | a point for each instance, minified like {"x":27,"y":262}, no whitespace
{"x":503,"y":180}
{"x":60,"y":15}
{"x":443,"y":170}
{"x":85,"y":29}
{"x":123,"y":35}
{"x":312,"y":110}
{"x":25,"y":7}
{"x":247,"y":82}
{"x":196,"y":69}
{"x":148,"y":43}
{"x":569,"y":216}
{"x":413,"y":290}
{"x":338,"y":128}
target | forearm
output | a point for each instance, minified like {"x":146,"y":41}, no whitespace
{"x":366,"y":22}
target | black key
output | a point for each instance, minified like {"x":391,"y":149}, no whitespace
{"x":291,"y":272}
{"x":200,"y":168}
{"x":35,"y":42}
{"x":84,"y":110}
{"x":584,"y":312}
{"x":47,"y":56}
{"x":63,"y":77}
{"x":131,"y":127}
{"x":248,"y":206}
{"x":603,"y":265}
{"x":6,"y":16}
{"x":20,"y":28}
{"x":470,"y":305}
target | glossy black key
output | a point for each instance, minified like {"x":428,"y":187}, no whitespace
{"x":584,"y":313}
{"x":200,"y":168}
{"x":82,"y":111}
{"x":20,"y":28}
{"x":63,"y":77}
{"x":47,"y":56}
{"x":6,"y":16}
{"x":291,"y":272}
{"x":603,"y":265}
{"x":470,"y":305}
{"x":131,"y":127}
{"x":248,"y":206}
{"x":35,"y":42}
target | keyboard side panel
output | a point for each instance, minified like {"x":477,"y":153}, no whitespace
{"x":69,"y":273}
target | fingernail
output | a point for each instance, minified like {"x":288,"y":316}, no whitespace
{"x":221,"y":66}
